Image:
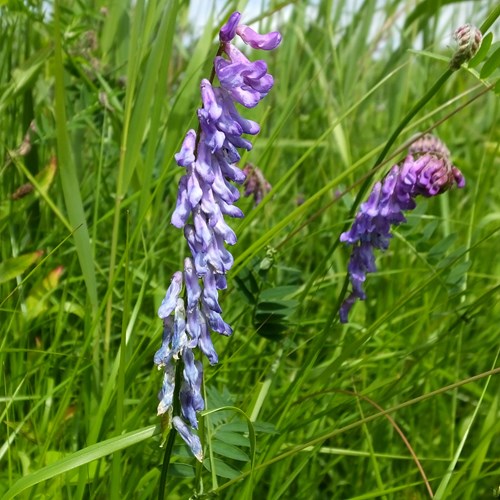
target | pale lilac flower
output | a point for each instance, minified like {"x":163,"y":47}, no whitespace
{"x":206,"y":194}
{"x":428,"y":172}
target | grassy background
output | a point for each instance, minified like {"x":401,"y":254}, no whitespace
{"x":295,"y":403}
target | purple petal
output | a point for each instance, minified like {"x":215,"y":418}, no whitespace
{"x":210,"y":295}
{"x":191,"y":403}
{"x":196,"y":250}
{"x":221,"y":187}
{"x":219,"y":256}
{"x":211,"y":136}
{"x":209,"y":100}
{"x":193,"y":288}
{"x":206,"y":345}
{"x":217,"y":324}
{"x":269,"y":41}
{"x":230,"y":153}
{"x":190,"y":371}
{"x":235,"y":55}
{"x":163,"y":355}
{"x":166,"y":394}
{"x":209,"y":206}
{"x":223,"y":230}
{"x":194,"y":324}
{"x":190,"y":438}
{"x":185,"y":156}
{"x":230,"y":210}
{"x":179,"y":338}
{"x":203,"y":233}
{"x":458,"y":176}
{"x":183,"y":207}
{"x":228,"y":31}
{"x":230,"y":171}
{"x":193,"y":188}
{"x":169,"y":302}
{"x":220,"y":281}
{"x":239,"y":142}
{"x":346,"y":307}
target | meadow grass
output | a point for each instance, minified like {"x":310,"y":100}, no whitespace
{"x":401,"y":402}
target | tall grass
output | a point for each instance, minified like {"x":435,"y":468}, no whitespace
{"x":402,"y":402}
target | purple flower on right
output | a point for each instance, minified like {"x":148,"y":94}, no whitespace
{"x":426,"y":171}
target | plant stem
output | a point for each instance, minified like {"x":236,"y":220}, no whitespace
{"x":172,"y":433}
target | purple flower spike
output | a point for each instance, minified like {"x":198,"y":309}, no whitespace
{"x":269,"y":41}
{"x":205,"y":198}
{"x":428,"y":174}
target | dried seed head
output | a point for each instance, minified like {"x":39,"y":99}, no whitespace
{"x":22,"y":191}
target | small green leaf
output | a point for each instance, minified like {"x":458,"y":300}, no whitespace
{"x":232,"y":438}
{"x":271,"y":331}
{"x":482,"y":52}
{"x":248,"y":286}
{"x":16,"y":266}
{"x":260,"y":426}
{"x":181,"y":470}
{"x":229,"y":451}
{"x":222,"y":469}
{"x":491,"y":64}
{"x":279,"y":292}
{"x":438,"y":251}
{"x":458,"y":272}
{"x":278,"y":307}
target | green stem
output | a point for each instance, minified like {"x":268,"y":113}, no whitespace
{"x":172,"y":434}
{"x":494,"y":14}
{"x":166,"y":463}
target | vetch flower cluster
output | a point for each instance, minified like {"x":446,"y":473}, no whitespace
{"x":205,"y":196}
{"x":426,"y":171}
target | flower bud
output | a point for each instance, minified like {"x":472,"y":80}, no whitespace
{"x":469,"y":39}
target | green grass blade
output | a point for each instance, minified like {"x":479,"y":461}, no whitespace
{"x":67,"y":170}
